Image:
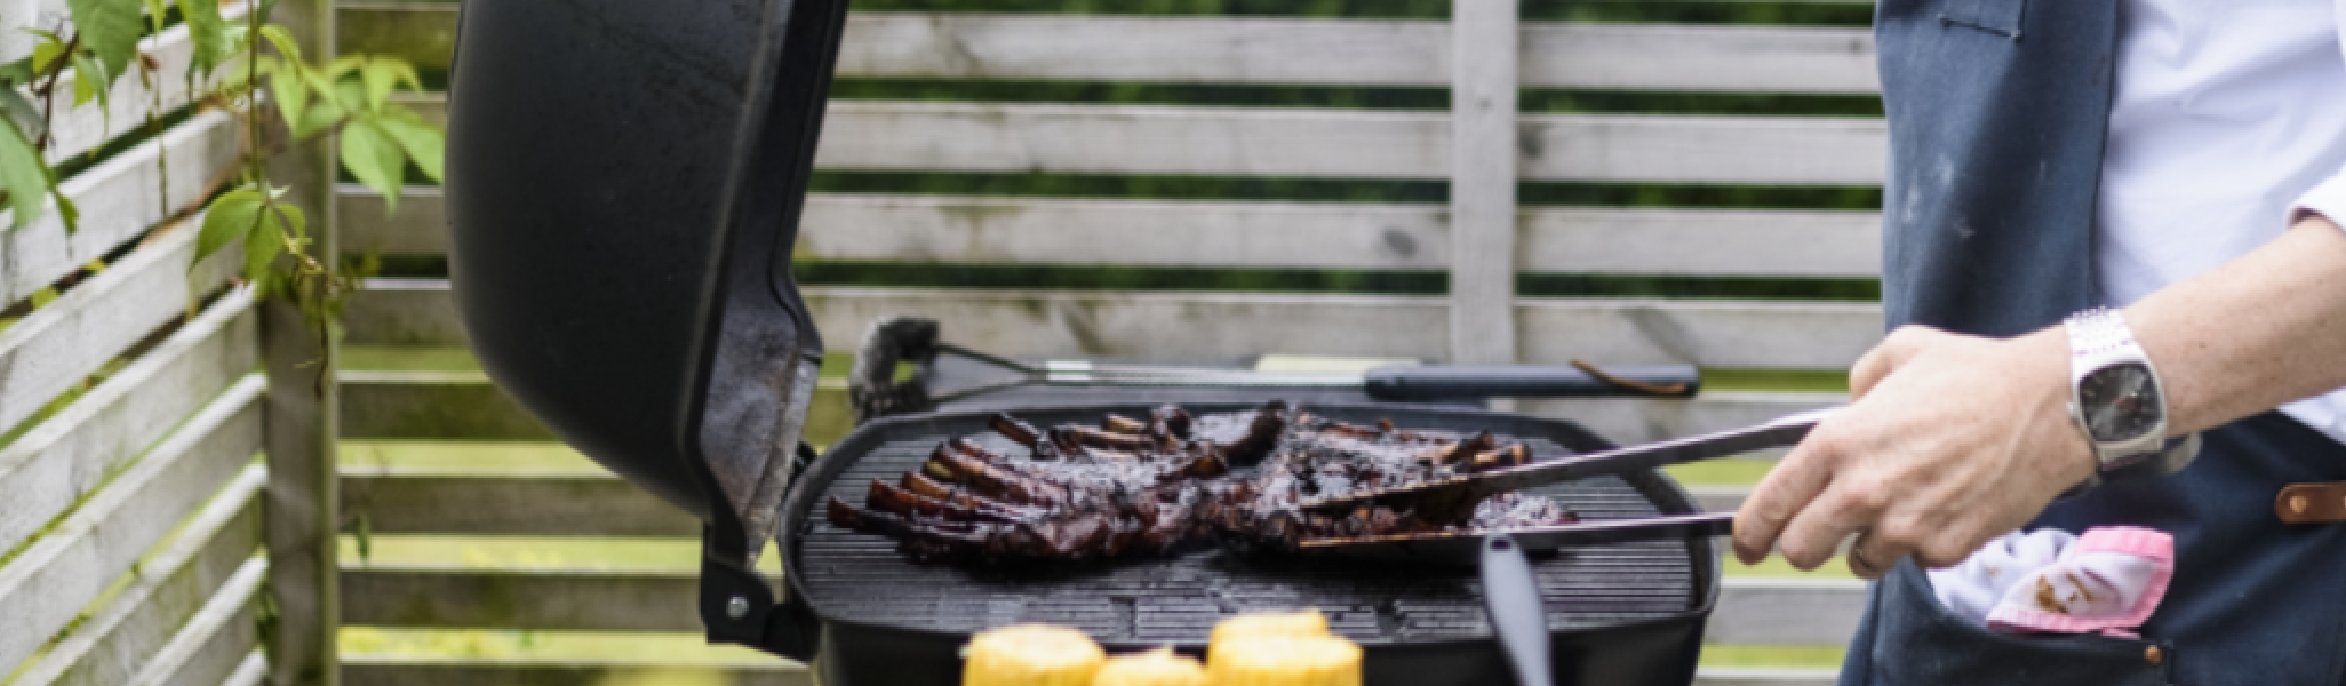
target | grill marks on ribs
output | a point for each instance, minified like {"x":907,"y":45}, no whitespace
{"x":1166,"y":484}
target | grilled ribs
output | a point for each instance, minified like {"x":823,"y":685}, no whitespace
{"x":1173,"y":482}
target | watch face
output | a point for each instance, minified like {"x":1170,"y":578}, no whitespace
{"x":2120,"y":402}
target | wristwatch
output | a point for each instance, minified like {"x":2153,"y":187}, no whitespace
{"x":2116,"y":400}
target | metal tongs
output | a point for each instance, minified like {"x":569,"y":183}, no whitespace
{"x":1450,"y":496}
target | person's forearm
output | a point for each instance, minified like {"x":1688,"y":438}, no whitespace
{"x":2259,"y":331}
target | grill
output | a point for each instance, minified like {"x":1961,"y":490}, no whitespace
{"x":657,"y":257}
{"x":1618,"y":614}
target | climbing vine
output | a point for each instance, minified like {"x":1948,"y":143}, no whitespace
{"x":247,"y":66}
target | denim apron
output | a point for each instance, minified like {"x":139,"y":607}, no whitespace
{"x":1998,"y":111}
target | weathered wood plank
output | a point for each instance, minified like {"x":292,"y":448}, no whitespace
{"x":1177,"y":326}
{"x":453,"y":405}
{"x":1141,"y":139}
{"x":1746,"y":59}
{"x":367,"y":670}
{"x":42,"y":589}
{"x":60,"y":344}
{"x":106,"y":648}
{"x":214,"y":644}
{"x":120,"y":199}
{"x":71,"y":454}
{"x":75,"y":130}
{"x":1266,"y":50}
{"x":301,"y":360}
{"x":251,"y":672}
{"x":1785,"y":611}
{"x":913,"y":228}
{"x":1000,"y":137}
{"x":532,"y":504}
{"x":1482,"y":182}
{"x":633,"y":600}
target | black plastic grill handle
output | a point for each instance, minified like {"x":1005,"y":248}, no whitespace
{"x":1451,"y":382}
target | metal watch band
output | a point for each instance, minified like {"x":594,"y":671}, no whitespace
{"x":2098,"y":332}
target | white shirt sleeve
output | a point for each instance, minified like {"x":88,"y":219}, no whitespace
{"x":2329,"y":198}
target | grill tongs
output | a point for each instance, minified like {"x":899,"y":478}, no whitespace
{"x":1453,"y":499}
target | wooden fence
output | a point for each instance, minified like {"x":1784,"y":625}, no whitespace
{"x":132,"y":414}
{"x":489,"y":486}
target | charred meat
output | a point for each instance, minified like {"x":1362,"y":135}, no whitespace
{"x":1174,"y":482}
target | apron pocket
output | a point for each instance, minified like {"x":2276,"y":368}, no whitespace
{"x":1912,"y":639}
{"x":2000,"y":17}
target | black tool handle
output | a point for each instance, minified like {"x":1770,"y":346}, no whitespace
{"x":1518,"y":616}
{"x":1453,"y":382}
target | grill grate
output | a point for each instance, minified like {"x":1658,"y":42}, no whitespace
{"x":860,"y":578}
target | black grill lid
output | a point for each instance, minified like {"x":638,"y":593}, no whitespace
{"x":624,"y":185}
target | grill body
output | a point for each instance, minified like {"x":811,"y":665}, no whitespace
{"x":1629,"y":613}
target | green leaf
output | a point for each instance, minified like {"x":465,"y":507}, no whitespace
{"x":21,"y":111}
{"x":209,"y":30}
{"x":296,"y":223}
{"x":422,"y":142}
{"x":263,"y":244}
{"x":289,"y":90}
{"x":229,"y":217}
{"x":44,"y":295}
{"x":17,"y":73}
{"x":372,"y":155}
{"x":66,"y":211}
{"x":282,"y":38}
{"x":90,"y":80}
{"x":379,"y":78}
{"x":47,"y":53}
{"x":322,"y":115}
{"x":110,"y":29}
{"x":23,"y":175}
{"x":157,"y":11}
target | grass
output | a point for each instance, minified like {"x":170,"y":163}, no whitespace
{"x":1720,"y":472}
{"x":1772,"y":656}
{"x":669,"y":648}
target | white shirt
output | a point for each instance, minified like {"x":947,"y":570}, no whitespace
{"x":2229,"y":117}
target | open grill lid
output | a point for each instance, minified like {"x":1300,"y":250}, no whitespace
{"x":624,"y":186}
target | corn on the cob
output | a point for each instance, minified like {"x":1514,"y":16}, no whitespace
{"x":1284,"y":661}
{"x":1031,"y":655}
{"x":1160,"y":667}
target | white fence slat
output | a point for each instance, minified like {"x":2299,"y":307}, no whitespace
{"x":1785,"y":611}
{"x":1708,"y":333}
{"x":57,"y":346}
{"x":75,"y":130}
{"x":71,"y":453}
{"x":47,"y":14}
{"x":1700,"y":242}
{"x":1743,"y":59}
{"x":1482,"y":183}
{"x":968,"y":230}
{"x":215,"y":643}
{"x":1207,"y":327}
{"x":46,"y":586}
{"x":1161,"y":49}
{"x":251,"y":672}
{"x":1149,"y":139}
{"x":118,"y":199}
{"x":1364,"y":52}
{"x":106,"y":648}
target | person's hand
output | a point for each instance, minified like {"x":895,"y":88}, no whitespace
{"x":1948,"y":441}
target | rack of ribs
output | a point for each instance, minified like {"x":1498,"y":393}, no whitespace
{"x":1173,"y":482}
